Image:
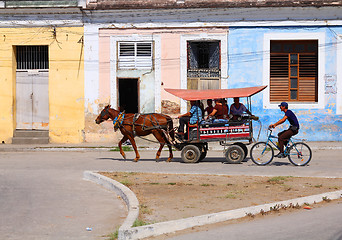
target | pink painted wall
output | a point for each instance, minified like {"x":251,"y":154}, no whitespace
{"x":170,"y":56}
{"x":170,"y":64}
{"x":104,"y":68}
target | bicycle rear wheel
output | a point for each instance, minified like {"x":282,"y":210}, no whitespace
{"x":300,"y":154}
{"x":262,"y":153}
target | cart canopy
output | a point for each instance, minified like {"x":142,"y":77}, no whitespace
{"x":191,"y":95}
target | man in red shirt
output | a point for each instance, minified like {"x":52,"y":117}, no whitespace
{"x":218,"y":111}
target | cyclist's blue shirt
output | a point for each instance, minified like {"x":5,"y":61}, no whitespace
{"x":292,"y":118}
{"x":196,"y":114}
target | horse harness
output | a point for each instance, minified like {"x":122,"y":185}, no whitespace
{"x":118,"y":122}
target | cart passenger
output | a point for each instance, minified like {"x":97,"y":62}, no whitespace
{"x":218,"y":110}
{"x":225,"y":108}
{"x":237,"y":109}
{"x":201,"y":105}
{"x":192,"y":117}
{"x":210,"y":107}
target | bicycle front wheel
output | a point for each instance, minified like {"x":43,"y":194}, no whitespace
{"x":262,"y":153}
{"x":300,"y":154}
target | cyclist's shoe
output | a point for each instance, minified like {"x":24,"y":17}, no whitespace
{"x":280,"y":155}
{"x":254,"y":117}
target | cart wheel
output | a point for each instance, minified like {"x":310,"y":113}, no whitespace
{"x":190,"y":154}
{"x":244,"y":148}
{"x":234,"y":154}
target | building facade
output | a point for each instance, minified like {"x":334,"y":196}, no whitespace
{"x":63,"y":61}
{"x":292,"y":47}
{"x":42,"y":73}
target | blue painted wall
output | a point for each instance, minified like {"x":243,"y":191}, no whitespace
{"x":245,"y":68}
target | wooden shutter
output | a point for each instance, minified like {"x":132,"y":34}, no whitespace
{"x":126,"y":55}
{"x":279,"y":77}
{"x":304,"y":86}
{"x":308,"y":78}
{"x":143,"y":55}
{"x":135,"y":55}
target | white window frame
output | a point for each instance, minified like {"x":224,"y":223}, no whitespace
{"x":156,"y":39}
{"x":268,"y":37}
{"x":223,"y":38}
{"x":135,"y":62}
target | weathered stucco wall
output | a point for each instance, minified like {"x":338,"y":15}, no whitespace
{"x":166,"y":72}
{"x":246,"y":68}
{"x":66,"y":80}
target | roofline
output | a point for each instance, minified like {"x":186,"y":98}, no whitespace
{"x":107,"y":5}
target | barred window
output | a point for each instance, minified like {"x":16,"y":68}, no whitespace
{"x":32,"y":57}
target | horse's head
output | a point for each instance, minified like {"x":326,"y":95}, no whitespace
{"x":103,"y":116}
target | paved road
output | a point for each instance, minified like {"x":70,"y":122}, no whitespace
{"x":43,"y":195}
{"x":316,"y":224}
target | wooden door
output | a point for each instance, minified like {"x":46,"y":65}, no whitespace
{"x":32,"y":99}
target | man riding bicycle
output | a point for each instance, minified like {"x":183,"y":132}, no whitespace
{"x":285,"y":135}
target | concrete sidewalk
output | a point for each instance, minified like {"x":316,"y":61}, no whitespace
{"x":141,"y":143}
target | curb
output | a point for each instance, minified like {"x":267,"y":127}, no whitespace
{"x":124,"y":192}
{"x":128,"y":232}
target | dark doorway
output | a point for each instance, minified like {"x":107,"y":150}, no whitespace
{"x":128,"y":94}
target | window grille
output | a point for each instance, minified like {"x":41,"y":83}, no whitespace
{"x":32,"y":57}
{"x":135,"y":55}
{"x":204,"y":59}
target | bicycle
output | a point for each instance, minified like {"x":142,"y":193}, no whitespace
{"x":298,"y":153}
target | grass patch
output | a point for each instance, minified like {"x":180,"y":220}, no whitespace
{"x":326,"y":199}
{"x":154,"y":183}
{"x":207,"y":185}
{"x":171,"y":183}
{"x":124,"y":148}
{"x":287,"y":187}
{"x":139,"y":222}
{"x":144,"y":209}
{"x":277,"y":180}
{"x":125,"y":182}
{"x":318,"y":186}
{"x":230,"y":196}
{"x":113,"y":236}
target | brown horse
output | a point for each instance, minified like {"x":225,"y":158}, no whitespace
{"x":132,"y":125}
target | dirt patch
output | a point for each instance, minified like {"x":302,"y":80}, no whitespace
{"x":164,"y":197}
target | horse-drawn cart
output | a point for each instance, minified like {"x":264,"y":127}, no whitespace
{"x":233,"y":135}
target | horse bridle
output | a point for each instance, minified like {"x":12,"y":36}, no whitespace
{"x":104,"y":113}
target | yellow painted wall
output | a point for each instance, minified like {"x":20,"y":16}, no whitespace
{"x":66,"y":80}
